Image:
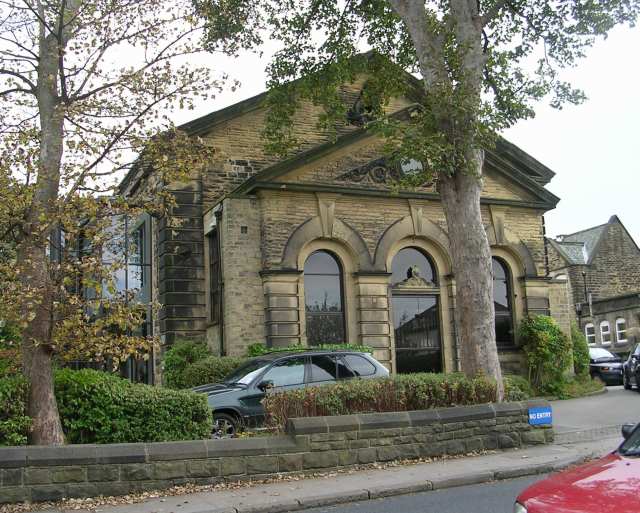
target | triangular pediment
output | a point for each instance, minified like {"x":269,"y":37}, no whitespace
{"x":360,"y":164}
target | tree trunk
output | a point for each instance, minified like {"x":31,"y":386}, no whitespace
{"x":37,"y":353}
{"x":472,"y":269}
{"x":37,"y":347}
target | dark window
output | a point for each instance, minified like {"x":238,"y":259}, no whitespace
{"x":344,"y":372}
{"x":323,"y":299}
{"x":416,"y":314}
{"x":412,"y":263}
{"x":502,"y":304}
{"x":417,"y":332}
{"x":286,"y":373}
{"x":323,"y":368}
{"x":359,"y":365}
{"x":214,"y":277}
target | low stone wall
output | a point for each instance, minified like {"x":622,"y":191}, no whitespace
{"x":52,"y":473}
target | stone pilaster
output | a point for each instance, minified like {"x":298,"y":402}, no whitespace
{"x":282,"y":307}
{"x":374,"y":325}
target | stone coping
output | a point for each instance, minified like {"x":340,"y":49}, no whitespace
{"x":292,"y":442}
{"x":368,"y":421}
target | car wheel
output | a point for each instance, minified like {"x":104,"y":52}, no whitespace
{"x":224,"y":425}
{"x":625,"y":381}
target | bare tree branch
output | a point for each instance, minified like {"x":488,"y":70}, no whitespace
{"x":18,"y":75}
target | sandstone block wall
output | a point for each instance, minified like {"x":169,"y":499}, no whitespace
{"x":321,"y":443}
{"x":244,"y":305}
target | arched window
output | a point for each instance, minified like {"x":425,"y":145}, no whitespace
{"x":605,"y":333}
{"x":590,"y":333}
{"x":323,"y":298}
{"x":502,"y":303}
{"x":416,"y":312}
{"x":621,"y":330}
{"x":412,"y":263}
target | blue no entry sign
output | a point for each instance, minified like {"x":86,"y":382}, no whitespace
{"x":540,"y":415}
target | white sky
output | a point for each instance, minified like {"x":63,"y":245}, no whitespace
{"x":591,"y":147}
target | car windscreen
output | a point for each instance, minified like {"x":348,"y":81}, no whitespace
{"x":246,"y":373}
{"x":597,"y":353}
{"x":631,"y":446}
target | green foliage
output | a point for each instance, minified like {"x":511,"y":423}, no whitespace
{"x":580,"y":351}
{"x":548,"y":352}
{"x":181,"y":355}
{"x":212,"y":369}
{"x":516,"y":388}
{"x":10,"y":362}
{"x":260,"y":349}
{"x":97,"y":407}
{"x":14,"y":422}
{"x":579,"y":386}
{"x":9,"y":335}
{"x":461,"y":54}
{"x":398,"y":393}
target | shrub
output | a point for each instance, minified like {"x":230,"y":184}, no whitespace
{"x":580,"y":351}
{"x":548,"y":351}
{"x":398,"y":393}
{"x":260,"y":349}
{"x":14,"y":422}
{"x":96,"y":407}
{"x":212,"y":369}
{"x":516,"y":388}
{"x":176,"y":360}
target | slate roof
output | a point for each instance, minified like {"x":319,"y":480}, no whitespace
{"x":578,"y":248}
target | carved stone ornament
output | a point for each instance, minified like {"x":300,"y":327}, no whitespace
{"x":377,"y":172}
{"x":415,"y":280}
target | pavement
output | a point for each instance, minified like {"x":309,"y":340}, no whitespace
{"x":339,"y":488}
{"x":585,"y":428}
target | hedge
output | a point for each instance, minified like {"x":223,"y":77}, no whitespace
{"x":212,"y":369}
{"x":189,"y":364}
{"x":398,"y":393}
{"x":97,"y":407}
{"x":14,"y":422}
{"x":261,"y":349}
{"x":516,"y":388}
{"x":178,"y":358}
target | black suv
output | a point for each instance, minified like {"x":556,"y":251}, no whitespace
{"x":605,"y":365}
{"x":631,"y":370}
{"x":237,"y":400}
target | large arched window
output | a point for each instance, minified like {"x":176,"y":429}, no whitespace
{"x":412,"y":263}
{"x":323,"y":298}
{"x":502,"y":303}
{"x":416,"y":315}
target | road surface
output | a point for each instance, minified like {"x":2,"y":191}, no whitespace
{"x":496,"y":497}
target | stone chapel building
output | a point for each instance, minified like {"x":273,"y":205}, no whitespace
{"x":321,"y":248}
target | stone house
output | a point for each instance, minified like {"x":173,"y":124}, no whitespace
{"x":601,"y":266}
{"x":321,"y":247}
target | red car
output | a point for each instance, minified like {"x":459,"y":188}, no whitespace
{"x":611,"y":483}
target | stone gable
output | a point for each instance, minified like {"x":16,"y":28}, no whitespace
{"x":362,"y":165}
{"x":240,"y":144}
{"x":615,"y":267}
